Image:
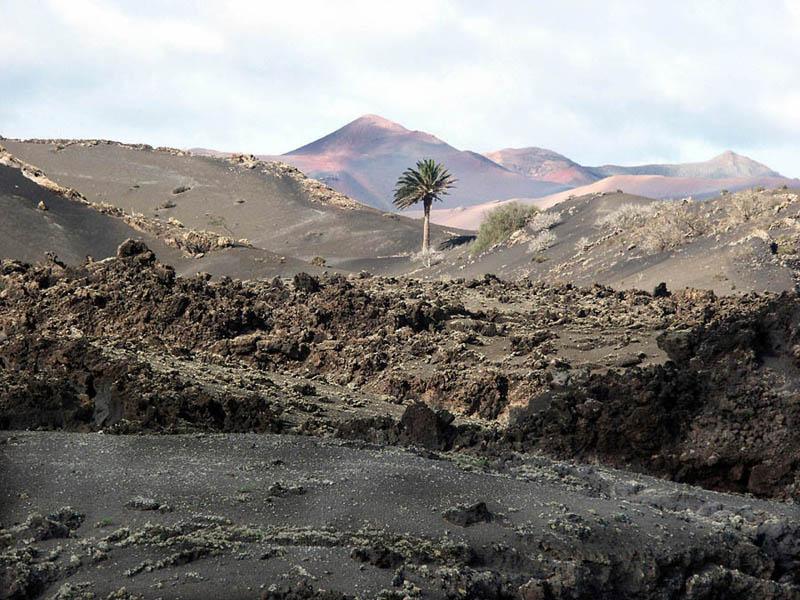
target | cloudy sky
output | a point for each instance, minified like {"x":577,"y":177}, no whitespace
{"x":618,"y":81}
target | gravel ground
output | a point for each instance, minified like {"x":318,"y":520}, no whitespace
{"x":234,"y":515}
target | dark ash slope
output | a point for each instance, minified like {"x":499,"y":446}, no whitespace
{"x":275,"y":207}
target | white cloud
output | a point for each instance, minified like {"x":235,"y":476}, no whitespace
{"x":623,"y":82}
{"x":103,"y":27}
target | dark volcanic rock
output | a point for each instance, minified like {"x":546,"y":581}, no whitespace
{"x":135,"y":249}
{"x":465,"y":515}
{"x":420,"y":425}
{"x":304,"y":282}
{"x":78,"y":345}
{"x":661,"y":291}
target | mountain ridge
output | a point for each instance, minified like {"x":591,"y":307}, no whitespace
{"x":543,"y":164}
{"x":725,"y":165}
{"x":364,"y":158}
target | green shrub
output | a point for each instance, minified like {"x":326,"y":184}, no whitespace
{"x":500,"y":223}
{"x":785,"y":245}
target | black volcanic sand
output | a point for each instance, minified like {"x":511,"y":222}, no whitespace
{"x":273,"y":212}
{"x":71,"y":231}
{"x":235,"y":516}
{"x":67,"y":228}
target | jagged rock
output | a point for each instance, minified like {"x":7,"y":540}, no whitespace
{"x":465,"y":515}
{"x":306,"y":283}
{"x":425,"y":427}
{"x":661,"y":291}
{"x":679,"y":345}
{"x":714,"y":415}
{"x":134,"y":248}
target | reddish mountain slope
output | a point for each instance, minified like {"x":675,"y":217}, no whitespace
{"x":543,"y":165}
{"x":364,"y":158}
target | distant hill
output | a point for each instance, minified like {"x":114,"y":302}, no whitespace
{"x":727,"y":165}
{"x":544,"y":165}
{"x":661,"y":187}
{"x":272,"y":205}
{"x":364,"y":158}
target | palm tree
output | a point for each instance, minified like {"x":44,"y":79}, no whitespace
{"x":428,"y":182}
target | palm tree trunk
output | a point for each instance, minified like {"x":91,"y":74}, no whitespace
{"x":426,"y":228}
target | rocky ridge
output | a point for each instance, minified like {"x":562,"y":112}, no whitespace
{"x":489,"y":384}
{"x":691,"y":386}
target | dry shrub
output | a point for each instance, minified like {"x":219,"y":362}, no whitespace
{"x":544,"y":220}
{"x":626,"y":216}
{"x":743,"y":207}
{"x":501,"y":222}
{"x":659,"y":226}
{"x":542,"y":241}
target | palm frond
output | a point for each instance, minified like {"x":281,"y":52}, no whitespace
{"x":428,"y":182}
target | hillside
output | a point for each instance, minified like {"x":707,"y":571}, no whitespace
{"x":544,"y":165}
{"x":272,"y":206}
{"x":626,"y":241}
{"x":364,"y":158}
{"x":247,"y":218}
{"x":44,"y":220}
{"x":650,"y":186}
{"x":727,"y":165}
{"x":36,"y":220}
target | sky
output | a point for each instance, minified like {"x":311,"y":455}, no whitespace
{"x":619,"y":81}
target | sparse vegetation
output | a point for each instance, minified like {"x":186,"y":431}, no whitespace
{"x":582,"y":244}
{"x":686,"y":219}
{"x":626,"y":216}
{"x":431,"y":257}
{"x":657,"y":227}
{"x":542,"y":241}
{"x":501,"y":222}
{"x":544,"y":220}
{"x":319,"y":261}
{"x":785,"y":246}
{"x":670,"y":224}
{"x":743,"y":207}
